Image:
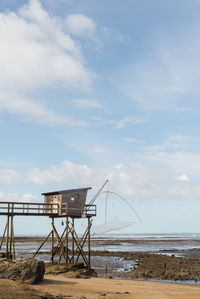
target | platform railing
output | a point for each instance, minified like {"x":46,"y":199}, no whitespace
{"x":47,"y":209}
{"x":26,"y":208}
{"x":79,"y":210}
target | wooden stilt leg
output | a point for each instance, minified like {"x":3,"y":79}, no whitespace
{"x":7,"y":237}
{"x":73,"y":240}
{"x":61,"y":243}
{"x":89,"y":225}
{"x":13,"y":238}
{"x":79,"y":247}
{"x":10,"y":237}
{"x":81,"y":244}
{"x":66,"y":242}
{"x":4,"y":233}
{"x":52,"y":241}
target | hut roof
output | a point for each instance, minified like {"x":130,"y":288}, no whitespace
{"x":66,"y":191}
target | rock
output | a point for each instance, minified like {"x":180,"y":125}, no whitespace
{"x":71,"y":271}
{"x":157,"y":266}
{"x":2,"y":255}
{"x":27,"y":270}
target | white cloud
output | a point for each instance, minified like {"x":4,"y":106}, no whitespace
{"x":18,"y":198}
{"x":67,"y":172}
{"x":10,"y":177}
{"x":80,"y":25}
{"x":183,"y":178}
{"x":159,"y":176}
{"x":127,"y":121}
{"x":120,"y":123}
{"x":177,"y":142}
{"x":86,"y":103}
{"x":177,"y":162}
{"x":138,"y":181}
{"x":36,"y":52}
{"x":132,"y":140}
{"x":34,"y":111}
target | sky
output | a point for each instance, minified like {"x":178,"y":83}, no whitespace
{"x":94,"y":90}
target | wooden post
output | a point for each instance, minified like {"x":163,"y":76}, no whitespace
{"x":73,"y":240}
{"x":66,"y":242}
{"x":11,"y":233}
{"x":89,"y":225}
{"x":10,"y":238}
{"x":13,"y":238}
{"x":81,"y":244}
{"x":7,"y":236}
{"x":52,"y":241}
{"x":77,"y":241}
{"x":2,"y":239}
{"x":60,"y":244}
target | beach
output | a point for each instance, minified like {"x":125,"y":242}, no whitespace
{"x":151,"y":266}
{"x":58,"y":287}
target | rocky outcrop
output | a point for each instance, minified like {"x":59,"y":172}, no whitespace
{"x":71,"y":271}
{"x":27,"y":270}
{"x":158,"y":266}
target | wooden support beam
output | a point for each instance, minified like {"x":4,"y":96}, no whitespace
{"x":72,"y":240}
{"x":77,"y":241}
{"x":13,"y":238}
{"x":84,"y":238}
{"x":89,"y":226}
{"x":60,"y":243}
{"x":2,"y":239}
{"x":42,"y":244}
{"x":7,"y":235}
{"x":62,"y":247}
{"x":56,"y":233}
{"x":10,"y":238}
{"x":81,"y":243}
{"x":52,"y":241}
{"x":67,"y":241}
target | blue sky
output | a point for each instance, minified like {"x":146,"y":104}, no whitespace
{"x":94,"y":90}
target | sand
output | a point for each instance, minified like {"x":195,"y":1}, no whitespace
{"x":115,"y":288}
{"x":60,"y":287}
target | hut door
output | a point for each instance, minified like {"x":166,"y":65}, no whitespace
{"x":55,"y":207}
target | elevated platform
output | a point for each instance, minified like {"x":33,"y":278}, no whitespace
{"x":46,"y":209}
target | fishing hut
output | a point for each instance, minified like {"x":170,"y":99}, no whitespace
{"x":70,"y":205}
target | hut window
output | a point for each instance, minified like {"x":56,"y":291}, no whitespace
{"x":55,"y":198}
{"x":72,"y":198}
